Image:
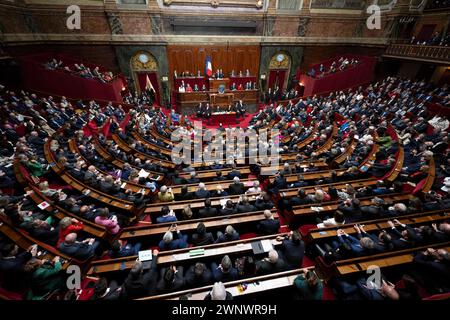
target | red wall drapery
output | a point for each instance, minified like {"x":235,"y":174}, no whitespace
{"x":277,"y":77}
{"x":153,"y":76}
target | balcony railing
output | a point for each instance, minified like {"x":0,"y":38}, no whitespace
{"x":419,"y":52}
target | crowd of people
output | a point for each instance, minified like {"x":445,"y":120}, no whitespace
{"x":364,"y":115}
{"x":80,"y":70}
{"x":341,"y":64}
{"x":436,"y":40}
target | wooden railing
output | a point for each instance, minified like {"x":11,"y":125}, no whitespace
{"x":419,"y":52}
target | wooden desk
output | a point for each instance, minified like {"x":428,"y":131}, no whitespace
{"x":256,"y":285}
{"x":212,"y":223}
{"x":221,"y":99}
{"x":188,"y":102}
{"x":214,"y":84}
{"x":182,"y":256}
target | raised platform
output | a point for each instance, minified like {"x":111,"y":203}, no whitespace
{"x":187,"y":102}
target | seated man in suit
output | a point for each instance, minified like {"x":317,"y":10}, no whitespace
{"x":79,"y":250}
{"x":171,"y":279}
{"x":229,"y":235}
{"x":208,"y":210}
{"x":245,"y":206}
{"x":269,"y":225}
{"x":202,"y":192}
{"x":233,"y":173}
{"x":193,"y":178}
{"x":184,"y":194}
{"x":237,"y":187}
{"x":139,"y":284}
{"x":292,"y":249}
{"x":219,"y":176}
{"x":228,"y":208}
{"x":264,"y":202}
{"x":173,"y":239}
{"x":224,"y":271}
{"x":200,"y":110}
{"x":406,"y":238}
{"x":219,"y":293}
{"x":371,"y":291}
{"x":272,"y":264}
{"x":201,"y":237}
{"x":12,"y":264}
{"x":278,"y":183}
{"x":198,"y":275}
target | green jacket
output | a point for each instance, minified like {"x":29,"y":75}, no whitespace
{"x":44,"y":280}
{"x":35,"y":169}
{"x":306,"y":292}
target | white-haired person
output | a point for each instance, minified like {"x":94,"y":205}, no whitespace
{"x":173,"y":239}
{"x":272,"y":264}
{"x":269,"y":225}
{"x":201,"y":192}
{"x":165,"y":194}
{"x":237,"y":187}
{"x":255,"y":188}
{"x":218,"y":292}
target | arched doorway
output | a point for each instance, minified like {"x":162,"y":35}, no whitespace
{"x":279,"y":68}
{"x":144,"y":65}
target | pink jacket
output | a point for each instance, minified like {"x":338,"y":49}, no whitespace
{"x":111,"y":225}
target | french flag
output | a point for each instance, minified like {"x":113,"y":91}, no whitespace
{"x":209,"y":70}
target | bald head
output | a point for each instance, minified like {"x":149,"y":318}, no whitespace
{"x":71,"y":238}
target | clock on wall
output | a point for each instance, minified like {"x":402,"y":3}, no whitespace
{"x":280,"y":57}
{"x":143,"y":58}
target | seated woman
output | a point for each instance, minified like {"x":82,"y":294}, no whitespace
{"x":109,"y":222}
{"x":45,"y":277}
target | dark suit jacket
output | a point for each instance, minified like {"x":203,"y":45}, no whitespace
{"x":236,"y":188}
{"x":143,"y":285}
{"x":293,"y":253}
{"x":233,"y":173}
{"x":78,"y":250}
{"x":177,"y":284}
{"x":268,"y":226}
{"x":266,"y":267}
{"x":207,"y":212}
{"x":218,"y":275}
{"x":245,"y":208}
{"x":228,"y":237}
{"x":192,"y":280}
{"x":202,"y":194}
{"x":201,"y":240}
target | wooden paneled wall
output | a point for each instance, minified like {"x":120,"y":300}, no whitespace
{"x":227,"y":58}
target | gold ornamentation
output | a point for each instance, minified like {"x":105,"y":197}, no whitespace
{"x":275,"y":64}
{"x":137,"y":65}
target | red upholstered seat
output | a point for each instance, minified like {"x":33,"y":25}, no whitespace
{"x":419,"y":186}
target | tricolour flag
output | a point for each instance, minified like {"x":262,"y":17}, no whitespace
{"x":209,"y":70}
{"x":148,"y":84}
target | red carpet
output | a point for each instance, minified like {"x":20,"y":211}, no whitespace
{"x":242,"y":122}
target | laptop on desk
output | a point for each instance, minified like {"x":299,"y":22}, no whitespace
{"x":262,"y":246}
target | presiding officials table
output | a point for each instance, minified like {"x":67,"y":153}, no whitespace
{"x":187,"y":102}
